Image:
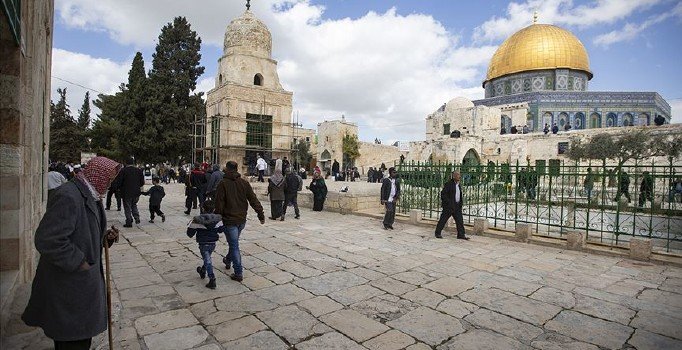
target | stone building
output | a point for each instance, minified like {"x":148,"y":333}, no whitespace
{"x":248,"y":111}
{"x":25,"y":64}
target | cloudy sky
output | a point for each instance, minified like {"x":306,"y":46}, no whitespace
{"x":383,"y":64}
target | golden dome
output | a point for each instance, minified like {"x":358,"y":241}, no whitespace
{"x":539,"y":46}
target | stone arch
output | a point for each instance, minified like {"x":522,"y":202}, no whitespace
{"x":579,"y":121}
{"x":220,"y":78}
{"x":595,"y":120}
{"x":611,"y":119}
{"x":471,"y":157}
{"x":628,"y":119}
{"x":325,"y":156}
{"x":505,"y":123}
{"x":644,"y":119}
{"x":258,"y":79}
{"x":547,"y":119}
{"x":563,"y":119}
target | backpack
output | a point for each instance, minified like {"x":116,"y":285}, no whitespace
{"x":300,"y":182}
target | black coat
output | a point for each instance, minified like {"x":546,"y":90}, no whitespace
{"x":130,"y":182}
{"x":67,"y":303}
{"x":447,"y":197}
{"x":156,"y":194}
{"x":386,"y":188}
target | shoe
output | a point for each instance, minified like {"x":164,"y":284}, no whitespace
{"x":128,"y":225}
{"x":464,"y":238}
{"x":151,"y":221}
{"x":211,"y":283}
{"x":390,"y":227}
{"x":385,"y":227}
{"x":194,"y":207}
{"x":201,"y":271}
{"x":107,"y":208}
{"x":281,"y":219}
{"x":439,"y":236}
{"x":119,"y":209}
{"x":186,"y":212}
{"x":163,"y":218}
{"x":137,"y":221}
{"x":297,"y":217}
{"x":237,"y":278}
{"x":227,"y":263}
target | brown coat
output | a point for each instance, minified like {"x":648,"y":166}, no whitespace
{"x":233,"y":196}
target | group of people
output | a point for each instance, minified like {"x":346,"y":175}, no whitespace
{"x":555,"y":128}
{"x":514,"y":129}
{"x":376,"y":175}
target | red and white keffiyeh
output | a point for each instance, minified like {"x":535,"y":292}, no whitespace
{"x":99,"y":172}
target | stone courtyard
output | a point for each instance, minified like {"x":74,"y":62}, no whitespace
{"x":333,"y":281}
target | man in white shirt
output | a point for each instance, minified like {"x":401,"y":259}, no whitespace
{"x":261,"y":165}
{"x":390,"y":193}
{"x":452,"y":201}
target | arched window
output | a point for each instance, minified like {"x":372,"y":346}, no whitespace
{"x":644,"y":119}
{"x":627,"y":119}
{"x":579,"y":121}
{"x":611,"y":119}
{"x":220,"y":79}
{"x":258,"y":80}
{"x":563,"y":119}
{"x":595,"y":120}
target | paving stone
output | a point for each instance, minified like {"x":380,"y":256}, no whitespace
{"x":589,"y":329}
{"x":450,"y":286}
{"x":456,"y":307}
{"x":505,"y":325}
{"x":418,"y":346}
{"x":330,"y":282}
{"x":354,"y":325}
{"x":299,"y":269}
{"x":319,"y":306}
{"x":235,"y":329}
{"x":424,"y":297}
{"x":164,"y":321}
{"x":393,"y":286}
{"x":292,"y":323}
{"x":485,"y":279}
{"x":280,"y":277}
{"x":209,"y":347}
{"x":522,"y":308}
{"x":256,"y":282}
{"x":245,"y":302}
{"x":271,"y":258}
{"x":220,"y":317}
{"x":261,"y":340}
{"x":554,"y":341}
{"x":391,"y":340}
{"x":481,"y":339}
{"x":177,"y":339}
{"x":146,"y":292}
{"x":194,"y":291}
{"x":643,"y":340}
{"x":384,"y":308}
{"x":661,"y":297}
{"x":603,"y":309}
{"x":427,"y":325}
{"x":284,"y":294}
{"x":413,"y":277}
{"x":355,"y":294}
{"x":657,"y":323}
{"x":555,"y":296}
{"x":329,"y":341}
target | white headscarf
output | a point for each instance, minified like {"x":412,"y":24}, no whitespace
{"x":277,"y":176}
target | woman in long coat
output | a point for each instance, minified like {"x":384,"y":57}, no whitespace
{"x":68,"y":297}
{"x":276,"y":187}
{"x":319,"y":189}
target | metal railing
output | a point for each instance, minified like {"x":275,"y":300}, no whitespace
{"x":556,"y":197}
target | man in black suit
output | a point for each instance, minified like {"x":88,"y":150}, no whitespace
{"x":130,"y":183}
{"x":390,"y":193}
{"x":452,"y":201}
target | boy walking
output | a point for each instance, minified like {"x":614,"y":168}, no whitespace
{"x":156,"y":194}
{"x":207,"y":228}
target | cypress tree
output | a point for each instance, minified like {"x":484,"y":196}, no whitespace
{"x":83,"y":125}
{"x":62,"y":131}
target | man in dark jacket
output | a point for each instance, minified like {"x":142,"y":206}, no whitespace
{"x":213,"y":181}
{"x":390,"y":193}
{"x":294,"y":184}
{"x":195,"y":187}
{"x":335,"y":169}
{"x":156,"y":194}
{"x":130,"y":184}
{"x":646,"y":188}
{"x":452,"y":201}
{"x":116,"y":192}
{"x":233,"y":196}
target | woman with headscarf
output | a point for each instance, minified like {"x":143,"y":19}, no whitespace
{"x":68,"y":297}
{"x":276,"y":187}
{"x":319,"y":189}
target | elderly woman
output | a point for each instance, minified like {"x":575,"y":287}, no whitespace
{"x":276,"y":186}
{"x":319,"y":189}
{"x":68,"y":297}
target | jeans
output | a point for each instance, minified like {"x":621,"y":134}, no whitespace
{"x":588,"y":191}
{"x":206,"y":249}
{"x":389,"y":218}
{"x":130,"y":209}
{"x":531,"y":192}
{"x":155,"y":209}
{"x":233,"y":255}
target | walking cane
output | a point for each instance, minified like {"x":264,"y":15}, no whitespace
{"x":108,"y":278}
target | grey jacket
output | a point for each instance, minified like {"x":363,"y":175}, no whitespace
{"x":66,"y":302}
{"x":213,"y":181}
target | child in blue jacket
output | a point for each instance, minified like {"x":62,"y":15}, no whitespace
{"x":207,"y":227}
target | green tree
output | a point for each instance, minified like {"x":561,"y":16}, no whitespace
{"x":133,"y":110}
{"x":351,"y":149}
{"x":62,"y":131}
{"x":83,"y":125}
{"x":302,"y":156}
{"x":106,"y":130}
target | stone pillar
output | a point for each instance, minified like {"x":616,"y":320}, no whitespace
{"x":657,"y":203}
{"x":480,"y":225}
{"x":523,"y":232}
{"x":570,"y":212}
{"x":575,"y":240}
{"x":640,"y":248}
{"x":415,"y":216}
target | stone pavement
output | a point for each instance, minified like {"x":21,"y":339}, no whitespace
{"x":332,"y":281}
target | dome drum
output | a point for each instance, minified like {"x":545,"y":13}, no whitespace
{"x":539,"y":80}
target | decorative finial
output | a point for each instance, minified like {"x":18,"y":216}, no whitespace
{"x":248,"y":5}
{"x":535,"y":17}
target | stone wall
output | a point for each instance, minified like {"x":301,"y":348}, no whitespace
{"x":24,"y":137}
{"x":372,"y":155}
{"x":330,"y":140}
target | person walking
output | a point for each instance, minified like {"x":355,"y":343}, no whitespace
{"x":261,"y":165}
{"x":294,"y":183}
{"x":233,"y":196}
{"x":207,"y":227}
{"x":623,"y":186}
{"x":319,"y":190}
{"x":335,"y":169}
{"x":452,"y":201}
{"x":156,"y":194}
{"x":115,"y":191}
{"x":131,"y":183}
{"x":390,"y":193}
{"x":195,"y":187}
{"x":213,"y":181}
{"x":68,"y":296}
{"x":276,"y":187}
{"x":646,"y":188}
{"x":588,"y":184}
{"x":555,"y":129}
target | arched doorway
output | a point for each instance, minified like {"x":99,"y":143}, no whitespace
{"x":547,"y":119}
{"x":325,"y":160}
{"x":471,"y":157}
{"x":595,"y":121}
{"x":579,"y":121}
{"x":644,"y":119}
{"x":563,"y":119}
{"x":611,"y":119}
{"x":470,"y":167}
{"x":628,"y":119}
{"x":505,"y":124}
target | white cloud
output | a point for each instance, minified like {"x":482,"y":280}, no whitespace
{"x":631,"y":30}
{"x":560,"y":12}
{"x":99,"y":74}
{"x":383,"y":70}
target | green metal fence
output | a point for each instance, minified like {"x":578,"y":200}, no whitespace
{"x":556,"y":197}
